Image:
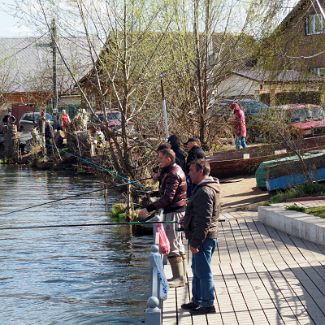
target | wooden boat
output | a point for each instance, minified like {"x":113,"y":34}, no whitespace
{"x":245,"y":162}
{"x":285,"y":173}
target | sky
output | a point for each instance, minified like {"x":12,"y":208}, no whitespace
{"x":12,"y":27}
{"x":9,"y":26}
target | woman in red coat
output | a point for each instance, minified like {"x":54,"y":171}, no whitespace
{"x":65,"y":120}
{"x":239,"y":126}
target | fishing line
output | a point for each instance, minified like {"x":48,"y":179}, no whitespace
{"x":66,"y":198}
{"x":108,"y":170}
{"x":132,"y":223}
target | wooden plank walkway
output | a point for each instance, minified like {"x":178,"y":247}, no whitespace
{"x":262,"y":276}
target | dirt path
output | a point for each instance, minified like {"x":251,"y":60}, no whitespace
{"x":241,"y":193}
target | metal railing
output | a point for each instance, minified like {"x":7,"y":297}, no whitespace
{"x":153,"y":308}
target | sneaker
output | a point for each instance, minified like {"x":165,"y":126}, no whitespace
{"x":203,"y":310}
{"x":189,"y":306}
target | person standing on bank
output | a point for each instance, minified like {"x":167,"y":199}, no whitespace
{"x":64,"y":120}
{"x":239,"y":126}
{"x":195,"y":152}
{"x":200,"y":227}
{"x":173,"y":202}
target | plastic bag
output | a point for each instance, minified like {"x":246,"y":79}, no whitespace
{"x":164,"y":245}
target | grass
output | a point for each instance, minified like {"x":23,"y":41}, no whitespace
{"x":316,"y":211}
{"x":309,"y":189}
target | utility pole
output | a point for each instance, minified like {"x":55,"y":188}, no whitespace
{"x":54,"y":67}
{"x":164,"y":106}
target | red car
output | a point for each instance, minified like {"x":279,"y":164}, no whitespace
{"x":307,"y":119}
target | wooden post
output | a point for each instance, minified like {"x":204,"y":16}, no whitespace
{"x":128,"y":199}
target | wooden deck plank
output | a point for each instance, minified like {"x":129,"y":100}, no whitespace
{"x":261,"y":276}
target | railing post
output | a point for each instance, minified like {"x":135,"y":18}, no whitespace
{"x":153,"y":312}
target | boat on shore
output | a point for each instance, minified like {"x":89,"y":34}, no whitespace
{"x":245,"y":162}
{"x":282,"y":174}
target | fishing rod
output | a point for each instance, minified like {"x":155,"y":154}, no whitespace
{"x":69,"y":197}
{"x":128,"y":223}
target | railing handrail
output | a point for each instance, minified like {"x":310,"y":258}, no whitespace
{"x":153,"y":310}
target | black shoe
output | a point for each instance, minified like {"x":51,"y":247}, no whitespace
{"x":190,"y":306}
{"x":203,"y":310}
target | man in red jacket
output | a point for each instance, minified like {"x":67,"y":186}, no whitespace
{"x":173,"y":201}
{"x":239,"y":126}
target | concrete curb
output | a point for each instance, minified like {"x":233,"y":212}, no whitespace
{"x":295,"y":223}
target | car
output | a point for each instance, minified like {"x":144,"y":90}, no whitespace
{"x":250,"y":106}
{"x":305,"y":119}
{"x":114,"y":119}
{"x":28,"y":120}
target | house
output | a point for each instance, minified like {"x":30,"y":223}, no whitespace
{"x":290,"y":86}
{"x":291,"y":62}
{"x":26,"y":72}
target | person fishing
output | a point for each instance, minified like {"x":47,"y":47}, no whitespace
{"x":173,"y":202}
{"x":195,"y":151}
{"x":176,"y":146}
{"x":201,"y":230}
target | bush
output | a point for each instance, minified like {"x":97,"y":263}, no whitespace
{"x":308,"y":189}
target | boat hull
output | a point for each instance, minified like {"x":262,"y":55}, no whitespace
{"x":245,"y":162}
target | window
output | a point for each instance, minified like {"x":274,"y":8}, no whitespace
{"x":315,"y":24}
{"x":320,"y":71}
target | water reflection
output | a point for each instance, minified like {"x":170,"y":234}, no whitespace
{"x":79,"y":275}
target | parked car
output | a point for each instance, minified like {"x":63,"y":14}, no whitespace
{"x":250,"y":106}
{"x":28,"y":120}
{"x":114,"y":120}
{"x":305,"y":119}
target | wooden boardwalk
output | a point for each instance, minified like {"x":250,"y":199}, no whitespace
{"x":262,"y":276}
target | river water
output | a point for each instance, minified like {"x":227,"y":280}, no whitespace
{"x":72,"y":275}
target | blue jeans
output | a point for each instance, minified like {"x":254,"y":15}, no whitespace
{"x":202,"y":283}
{"x":240,"y":143}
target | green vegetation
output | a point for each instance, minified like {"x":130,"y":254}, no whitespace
{"x":296,"y":208}
{"x":316,"y":211}
{"x":309,"y":189}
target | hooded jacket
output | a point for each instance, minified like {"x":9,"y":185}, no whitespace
{"x":240,"y":121}
{"x":202,"y":212}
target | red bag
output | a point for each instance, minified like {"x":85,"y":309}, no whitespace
{"x":164,"y":245}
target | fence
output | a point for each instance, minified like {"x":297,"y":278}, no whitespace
{"x":153,"y":309}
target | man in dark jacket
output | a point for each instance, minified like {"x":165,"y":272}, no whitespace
{"x":200,"y":226}
{"x":194,"y":152}
{"x":173,"y":202}
{"x":176,"y":146}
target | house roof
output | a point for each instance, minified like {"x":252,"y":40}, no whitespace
{"x":236,"y":86}
{"x":283,"y":76}
{"x":26,"y":63}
